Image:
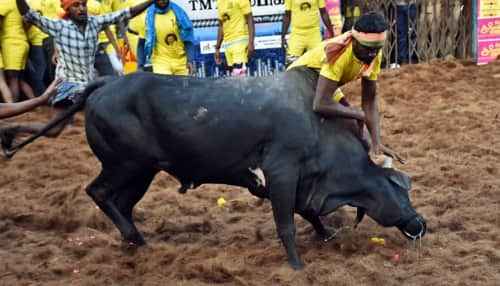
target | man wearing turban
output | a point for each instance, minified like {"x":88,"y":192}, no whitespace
{"x":352,"y":55}
{"x":76,"y":40}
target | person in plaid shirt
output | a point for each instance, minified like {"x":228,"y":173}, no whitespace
{"x":76,"y":40}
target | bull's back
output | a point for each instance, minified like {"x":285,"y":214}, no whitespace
{"x":181,"y":121}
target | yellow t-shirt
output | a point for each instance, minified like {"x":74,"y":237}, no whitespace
{"x":345,"y":69}
{"x":35,"y":35}
{"x":138,"y":23}
{"x":232,"y":14}
{"x":121,"y":4}
{"x":51,"y":8}
{"x":305,"y":13}
{"x":168,"y":41}
{"x":12,"y":26}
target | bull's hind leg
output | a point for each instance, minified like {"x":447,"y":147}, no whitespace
{"x":128,"y":196}
{"x":102,"y":190}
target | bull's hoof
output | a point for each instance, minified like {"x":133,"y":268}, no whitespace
{"x":183,"y":189}
{"x":296,"y":265}
{"x":7,"y":139}
{"x":135,"y":240}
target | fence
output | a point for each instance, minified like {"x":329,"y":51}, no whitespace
{"x":435,"y":29}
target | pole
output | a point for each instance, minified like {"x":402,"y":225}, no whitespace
{"x":474,"y":15}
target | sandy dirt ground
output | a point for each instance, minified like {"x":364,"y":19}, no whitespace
{"x":443,"y":117}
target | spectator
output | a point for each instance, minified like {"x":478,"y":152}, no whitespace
{"x":169,"y":39}
{"x":306,"y":28}
{"x":236,"y":32}
{"x":76,"y":41}
{"x":406,"y":14}
{"x":351,"y":11}
{"x":4,"y":88}
{"x":14,"y":44}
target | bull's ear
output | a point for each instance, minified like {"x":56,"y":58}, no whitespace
{"x":401,"y":179}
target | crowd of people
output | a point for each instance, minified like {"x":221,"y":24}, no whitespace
{"x":71,"y":38}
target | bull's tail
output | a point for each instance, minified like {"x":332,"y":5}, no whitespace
{"x":9,"y":151}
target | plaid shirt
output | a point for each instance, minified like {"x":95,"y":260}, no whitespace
{"x":76,"y":50}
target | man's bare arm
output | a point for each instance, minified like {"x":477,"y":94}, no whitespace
{"x":22,"y":6}
{"x":251,"y":34}
{"x":136,"y":10}
{"x":369,"y":103}
{"x":326,"y":106}
{"x":220,"y":37}
{"x":112,"y":40}
{"x":13,"y":109}
{"x":285,"y":26}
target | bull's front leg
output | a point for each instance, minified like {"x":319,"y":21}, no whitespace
{"x":282,"y":193}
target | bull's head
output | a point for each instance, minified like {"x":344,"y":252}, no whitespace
{"x":389,"y":205}
{"x":382,"y":194}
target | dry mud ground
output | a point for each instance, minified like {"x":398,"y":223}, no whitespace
{"x":443,"y":116}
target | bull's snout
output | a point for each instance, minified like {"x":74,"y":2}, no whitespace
{"x":415,"y":228}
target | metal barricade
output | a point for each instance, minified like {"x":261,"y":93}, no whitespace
{"x":434,"y":29}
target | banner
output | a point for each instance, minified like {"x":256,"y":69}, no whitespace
{"x":203,"y":13}
{"x":261,"y":43}
{"x":267,"y":16}
{"x":488,"y":31}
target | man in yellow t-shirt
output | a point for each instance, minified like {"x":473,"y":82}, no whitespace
{"x":235,"y":34}
{"x":306,"y":28}
{"x":352,"y":55}
{"x":169,"y":55}
{"x":169,"y":38}
{"x":14,"y":45}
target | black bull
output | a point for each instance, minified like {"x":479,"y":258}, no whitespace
{"x":257,"y":133}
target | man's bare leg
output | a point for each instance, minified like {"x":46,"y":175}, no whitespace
{"x":10,"y":132}
{"x":13,"y":82}
{"x":26,"y":89}
{"x":4,"y":88}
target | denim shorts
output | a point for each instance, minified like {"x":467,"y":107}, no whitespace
{"x":67,"y":94}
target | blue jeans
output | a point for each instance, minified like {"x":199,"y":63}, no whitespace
{"x":405,"y":13}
